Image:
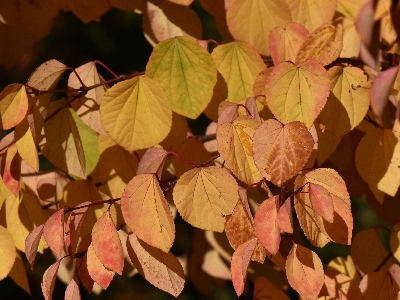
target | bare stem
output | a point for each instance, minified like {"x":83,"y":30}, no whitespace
{"x":106,"y":67}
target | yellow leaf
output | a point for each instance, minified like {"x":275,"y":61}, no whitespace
{"x":26,"y":145}
{"x":7,"y":252}
{"x":297,"y":93}
{"x":344,"y":266}
{"x":147,"y":213}
{"x":168,"y":20}
{"x":47,"y":75}
{"x":235,"y":144}
{"x":13,"y":105}
{"x":324,"y":45}
{"x":312,"y":13}
{"x":128,"y":106}
{"x":346,"y":107}
{"x":349,"y":8}
{"x":18,"y":274}
{"x":351,"y":39}
{"x":239,"y":64}
{"x":23,"y":215}
{"x":177,"y":136}
{"x":203,"y":196}
{"x":251,"y":21}
{"x":186,"y":72}
{"x":69,"y":143}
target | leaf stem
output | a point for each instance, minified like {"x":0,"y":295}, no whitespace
{"x":106,"y":67}
{"x":92,"y":203}
{"x":383,"y":262}
{"x":182,"y":159}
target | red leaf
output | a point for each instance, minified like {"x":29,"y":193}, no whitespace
{"x":266,"y":225}
{"x":240,"y":263}
{"x":321,"y":201}
{"x":161,"y":269}
{"x":54,"y":232}
{"x":75,"y":225}
{"x":106,"y":243}
{"x":96,"y":270}
{"x":32,"y":243}
{"x":72,"y":292}
{"x":49,"y":279}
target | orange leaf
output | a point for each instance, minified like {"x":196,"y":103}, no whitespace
{"x":235,"y":144}
{"x":13,"y":105}
{"x":72,"y":291}
{"x":297,"y":93}
{"x":10,"y":163}
{"x":321,"y":201}
{"x":318,"y":230}
{"x":324,"y":45}
{"x":265,"y":289}
{"x":239,"y":227}
{"x":7,"y":251}
{"x":204,"y":195}
{"x":240,"y":263}
{"x":285,"y":43}
{"x":106,"y":243}
{"x":75,"y":225}
{"x":49,"y":280}
{"x":53,"y":232}
{"x":161,"y":269}
{"x":304,"y":271}
{"x":378,"y":285}
{"x":46,"y":76}
{"x":99,"y":273}
{"x":259,"y":84}
{"x":281,"y":151}
{"x":266,"y":225}
{"x":285,"y":218}
{"x":32,"y":244}
{"x":340,"y":286}
{"x":152,"y":161}
{"x":252,"y":20}
{"x":147,"y":213}
{"x":26,"y":144}
{"x":81,"y":262}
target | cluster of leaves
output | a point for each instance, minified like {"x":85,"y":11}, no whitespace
{"x":126,"y":163}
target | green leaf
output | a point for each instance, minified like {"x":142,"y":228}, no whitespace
{"x":186,"y":72}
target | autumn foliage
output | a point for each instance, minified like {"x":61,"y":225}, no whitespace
{"x":304,"y":102}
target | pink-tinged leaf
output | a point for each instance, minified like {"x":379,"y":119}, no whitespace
{"x":49,"y":280}
{"x":381,"y":88}
{"x":75,"y":225}
{"x":106,"y":243}
{"x":152,"y":161}
{"x":32,"y":244}
{"x":266,"y":225}
{"x":227,"y":112}
{"x":304,"y":271}
{"x":99,"y":273}
{"x":81,"y":264}
{"x":46,"y":75}
{"x":285,"y":217}
{"x":284,"y":43}
{"x":53,"y":232}
{"x":10,"y":166}
{"x":251,"y":104}
{"x":265,"y":289}
{"x":147,"y":213}
{"x":72,"y":291}
{"x":240,"y":263}
{"x":161,"y":269}
{"x":321,"y":201}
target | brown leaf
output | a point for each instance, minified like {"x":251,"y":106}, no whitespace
{"x":32,"y":244}
{"x":265,"y":289}
{"x":49,"y":280}
{"x":152,"y":161}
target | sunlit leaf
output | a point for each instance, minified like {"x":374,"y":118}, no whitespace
{"x":351,"y":39}
{"x":106,"y":243}
{"x":32,"y":244}
{"x":266,"y":224}
{"x":259,"y":84}
{"x":47,"y":75}
{"x":72,"y":291}
{"x":69,"y":143}
{"x":125,"y":111}
{"x":285,"y":217}
{"x":251,"y":21}
{"x":297,"y":93}
{"x":7,"y":252}
{"x":235,"y":145}
{"x":240,"y":263}
{"x":10,"y":164}
{"x":321,"y":201}
{"x":304,"y":271}
{"x":100,"y":274}
{"x":285,"y":43}
{"x":49,"y":280}
{"x":13,"y":105}
{"x":239,"y":65}
{"x":281,"y":151}
{"x":26,"y":145}
{"x":204,"y":196}
{"x":312,"y":13}
{"x":265,"y":289}
{"x":239,"y":227}
{"x":340,"y":286}
{"x":161,"y":269}
{"x":186,"y":72}
{"x":152,"y":161}
{"x":147,"y":213}
{"x":18,"y":274}
{"x":324,"y":45}
{"x":345,"y":266}
{"x":53,"y":232}
{"x":318,"y":230}
{"x":74,"y":227}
